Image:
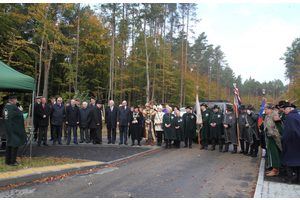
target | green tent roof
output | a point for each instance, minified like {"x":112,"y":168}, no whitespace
{"x":14,"y":81}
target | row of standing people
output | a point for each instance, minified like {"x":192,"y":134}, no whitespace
{"x":216,"y":125}
{"x":88,"y":117}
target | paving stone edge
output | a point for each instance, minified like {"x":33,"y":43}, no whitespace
{"x":260,"y":179}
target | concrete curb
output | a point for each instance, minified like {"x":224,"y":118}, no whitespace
{"x":260,"y":179}
{"x":137,"y":154}
{"x":51,"y":173}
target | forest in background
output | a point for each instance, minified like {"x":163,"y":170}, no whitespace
{"x":133,"y":51}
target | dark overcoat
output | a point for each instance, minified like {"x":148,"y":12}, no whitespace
{"x":96,"y":118}
{"x":189,"y":120}
{"x":204,"y":133}
{"x":136,"y":128}
{"x":242,"y":125}
{"x":290,"y":140}
{"x":41,"y":112}
{"x":14,"y":123}
{"x":84,"y":117}
{"x":217,"y":131}
{"x":111,"y":117}
{"x":123,"y":116}
{"x":169,"y":133}
{"x":35,"y":118}
{"x":253,"y":122}
{"x":72,"y":115}
{"x":179,"y":132}
{"x":230,"y":132}
{"x":57,"y":116}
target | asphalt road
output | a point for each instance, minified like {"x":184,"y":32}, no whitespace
{"x":168,"y":173}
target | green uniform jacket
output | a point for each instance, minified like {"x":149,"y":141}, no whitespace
{"x":206,"y":127}
{"x":189,"y":120}
{"x":170,"y":133}
{"x":217,"y":131}
{"x":14,"y":123}
{"x":179,"y":132}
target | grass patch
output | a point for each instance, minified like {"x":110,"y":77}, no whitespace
{"x":36,"y":162}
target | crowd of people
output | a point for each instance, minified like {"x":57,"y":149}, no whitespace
{"x":279,"y":133}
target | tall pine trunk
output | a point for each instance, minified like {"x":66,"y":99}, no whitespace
{"x":186,"y":52}
{"x":181,"y":82}
{"x":77,"y":48}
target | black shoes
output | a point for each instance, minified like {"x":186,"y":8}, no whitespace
{"x":113,"y":142}
{"x":132,"y":144}
{"x":68,"y":143}
{"x":120,"y":143}
{"x":190,"y":146}
{"x":45,"y":144}
{"x":185,"y":146}
{"x":125,"y":143}
{"x":54,"y":143}
{"x":38,"y":144}
{"x":139,"y":144}
{"x":59,"y":143}
{"x":202,"y":147}
{"x":51,"y":140}
{"x":76,"y":143}
{"x":81,"y":141}
{"x":212,"y":148}
{"x":205,"y":147}
{"x":109,"y":142}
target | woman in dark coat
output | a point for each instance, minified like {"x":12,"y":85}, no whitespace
{"x":168,"y":125}
{"x":135,"y":127}
{"x":179,"y":127}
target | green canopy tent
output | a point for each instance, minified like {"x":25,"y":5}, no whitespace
{"x":14,"y":81}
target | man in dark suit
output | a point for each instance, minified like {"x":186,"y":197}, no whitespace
{"x":96,"y":124}
{"x":123,"y":120}
{"x":111,"y":112}
{"x":35,"y":122}
{"x":57,"y":119}
{"x":72,"y":119}
{"x":53,"y":101}
{"x":43,"y":112}
{"x":85,"y":120}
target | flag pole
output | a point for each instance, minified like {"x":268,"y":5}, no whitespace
{"x":260,"y":149}
{"x":237,"y":116}
{"x":197,"y":110}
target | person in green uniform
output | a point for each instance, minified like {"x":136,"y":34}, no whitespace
{"x":216,"y":127}
{"x":179,"y":127}
{"x":273,"y":129}
{"x":168,"y":125}
{"x":189,"y":120}
{"x":204,"y":132}
{"x":230,"y":130}
{"x":242,"y":127}
{"x":15,"y":130}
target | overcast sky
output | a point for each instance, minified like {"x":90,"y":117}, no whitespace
{"x":252,"y":36}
